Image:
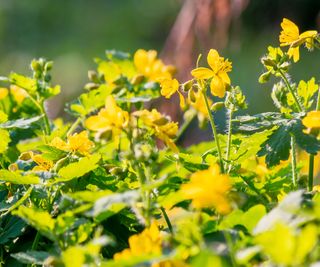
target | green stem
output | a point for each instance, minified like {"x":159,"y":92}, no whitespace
{"x":291,"y":90}
{"x":214,"y":130}
{"x":46,"y":119}
{"x":74,"y":126}
{"x":311,"y":168}
{"x":229,"y":242}
{"x":184,"y":127}
{"x":166,"y":217}
{"x":42,"y":110}
{"x":36,"y":241}
{"x":229,"y":139}
{"x":35,"y":245}
{"x":294,"y":161}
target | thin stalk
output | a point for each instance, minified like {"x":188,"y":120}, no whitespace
{"x":214,"y":130}
{"x":74,"y":126}
{"x":311,"y":157}
{"x":166,"y":217}
{"x":35,"y":245}
{"x":293,"y":140}
{"x":229,"y":242}
{"x":229,"y":139}
{"x":294,"y":161}
{"x":300,"y":108}
{"x":310,"y":176}
{"x":42,"y":110}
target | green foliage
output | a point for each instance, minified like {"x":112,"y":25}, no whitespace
{"x":113,"y":188}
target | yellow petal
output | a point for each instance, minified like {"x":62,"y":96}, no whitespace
{"x":224,"y":77}
{"x":294,"y":52}
{"x":96,"y":123}
{"x":289,"y":33}
{"x":169,"y":87}
{"x":308,"y":34}
{"x":182,"y":101}
{"x":213,"y":59}
{"x":312,"y":120}
{"x":202,"y":73}
{"x":217,"y":87}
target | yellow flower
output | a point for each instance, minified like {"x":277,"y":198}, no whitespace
{"x":312,"y":120}
{"x":147,"y":64}
{"x":209,"y":188}
{"x":218,"y":72}
{"x":78,"y":142}
{"x":18,"y":93}
{"x":43,"y":164}
{"x":290,"y":36}
{"x":169,"y":87}
{"x":164,"y":129}
{"x":147,"y":243}
{"x":112,"y":118}
{"x":3,"y":93}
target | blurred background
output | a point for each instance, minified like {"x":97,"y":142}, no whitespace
{"x":73,"y":32}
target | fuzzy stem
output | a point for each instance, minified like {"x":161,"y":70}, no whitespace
{"x":74,"y":126}
{"x":229,"y":139}
{"x":291,"y":90}
{"x":214,"y":130}
{"x":294,"y":161}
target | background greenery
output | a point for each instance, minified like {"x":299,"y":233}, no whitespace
{"x":73,"y":32}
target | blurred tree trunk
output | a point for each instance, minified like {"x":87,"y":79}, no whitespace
{"x":201,"y":25}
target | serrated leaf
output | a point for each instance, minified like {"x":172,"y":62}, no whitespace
{"x":20,"y":123}
{"x":24,"y":82}
{"x":258,"y":122}
{"x":11,"y":228}
{"x":276,"y":147}
{"x":31,"y":257}
{"x":307,"y":142}
{"x":78,"y":169}
{"x":18,"y":178}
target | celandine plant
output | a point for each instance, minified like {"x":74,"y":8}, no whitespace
{"x":113,"y":188}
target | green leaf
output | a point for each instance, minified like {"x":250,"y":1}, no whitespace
{"x":31,"y":257}
{"x":78,"y":169}
{"x":276,"y":147}
{"x":248,"y":219}
{"x":4,"y":140}
{"x":24,"y":82}
{"x":51,"y":153}
{"x":18,"y":178}
{"x":20,"y":123}
{"x":39,"y":219}
{"x":10,"y":228}
{"x":258,"y":122}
